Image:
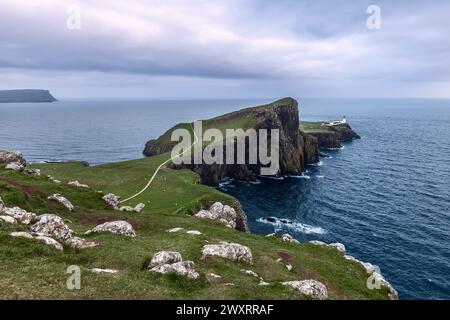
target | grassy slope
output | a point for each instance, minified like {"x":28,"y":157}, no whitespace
{"x":30,"y":269}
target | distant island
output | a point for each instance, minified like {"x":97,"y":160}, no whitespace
{"x":26,"y":95}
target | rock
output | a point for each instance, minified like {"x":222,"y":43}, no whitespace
{"x":62,"y":200}
{"x":288,"y":238}
{"x":289,"y":267}
{"x":7,"y":157}
{"x":311,"y":288}
{"x":231,"y":251}
{"x":271,"y":235}
{"x":338,"y":246}
{"x":19,"y":214}
{"x":116,"y":227}
{"x":215,"y":276}
{"x":34,"y":172}
{"x":366,"y":265}
{"x":263,"y":283}
{"x":79,"y":243}
{"x":51,"y":225}
{"x":8,"y":219}
{"x":165,"y":257}
{"x":174,"y":230}
{"x":126,"y":208}
{"x":393,"y":294}
{"x":139,"y":207}
{"x":185,"y":268}
{"x":50,"y":241}
{"x":194,"y":232}
{"x":53,"y":179}
{"x":250,"y":273}
{"x":26,"y":235}
{"x":223,"y":213}
{"x":97,"y":270}
{"x":76,"y":183}
{"x":15,"y":166}
{"x":112,"y":200}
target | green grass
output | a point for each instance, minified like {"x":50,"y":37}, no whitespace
{"x":30,"y":269}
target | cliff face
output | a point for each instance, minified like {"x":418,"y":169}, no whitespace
{"x":296,"y":148}
{"x":27,"y":95}
{"x":332,"y":137}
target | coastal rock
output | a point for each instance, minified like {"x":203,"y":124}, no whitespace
{"x":8,"y":219}
{"x":194,"y":232}
{"x":62,"y":200}
{"x":250,"y":273}
{"x":7,"y":157}
{"x":311,"y":288}
{"x":185,"y":268}
{"x":51,"y":225}
{"x":165,"y":257}
{"x":19,"y":214}
{"x":50,"y":242}
{"x":77,"y":184}
{"x":338,"y":246}
{"x":370,"y":268}
{"x":79,"y":243}
{"x":26,"y":235}
{"x":97,"y":270}
{"x":138,"y":208}
{"x":112,"y":200}
{"x":288,"y":238}
{"x":33,"y":172}
{"x":116,"y":227}
{"x":332,"y":136}
{"x":231,"y":251}
{"x":393,"y":294}
{"x":15,"y":166}
{"x":174,"y":230}
{"x":220,"y":212}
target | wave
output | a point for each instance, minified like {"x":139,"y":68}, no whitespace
{"x":288,"y":224}
{"x":320,"y":177}
{"x":303,"y":176}
{"x":318,"y":164}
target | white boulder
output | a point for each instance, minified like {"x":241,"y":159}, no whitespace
{"x":116,"y":227}
{"x":288,"y":238}
{"x":97,"y":270}
{"x":50,"y":241}
{"x":15,"y":166}
{"x":8,"y":219}
{"x":62,"y":200}
{"x":51,"y":225}
{"x":231,"y":251}
{"x":220,"y":212}
{"x":185,"y":268}
{"x":165,"y":257}
{"x":194,"y":232}
{"x":79,"y":243}
{"x":26,"y":235}
{"x":77,"y":184}
{"x":311,"y":288}
{"x":19,"y":214}
{"x":174,"y":230}
{"x":112,"y":200}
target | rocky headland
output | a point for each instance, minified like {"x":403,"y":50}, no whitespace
{"x":26,"y":95}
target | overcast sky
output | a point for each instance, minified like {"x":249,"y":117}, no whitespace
{"x":226,"y":48}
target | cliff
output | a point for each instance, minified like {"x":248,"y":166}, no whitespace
{"x":297,"y":148}
{"x":330,"y":137}
{"x":27,"y":95}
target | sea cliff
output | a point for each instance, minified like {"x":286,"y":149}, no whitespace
{"x":26,"y":95}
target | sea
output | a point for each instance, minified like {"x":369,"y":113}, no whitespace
{"x":386,"y":196}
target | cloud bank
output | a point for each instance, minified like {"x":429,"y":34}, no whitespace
{"x":232,"y":48}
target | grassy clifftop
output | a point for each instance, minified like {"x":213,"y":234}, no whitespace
{"x":30,"y":269}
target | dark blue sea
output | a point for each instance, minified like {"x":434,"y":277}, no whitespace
{"x":386,"y":196}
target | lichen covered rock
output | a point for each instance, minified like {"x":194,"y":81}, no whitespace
{"x":165,"y":257}
{"x":51,"y":225}
{"x":112,"y":200}
{"x":231,"y":251}
{"x":220,"y":212}
{"x":185,"y":268}
{"x":311,"y":288}
{"x":62,"y":200}
{"x":116,"y":227}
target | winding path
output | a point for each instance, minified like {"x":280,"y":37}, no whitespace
{"x":159,"y":168}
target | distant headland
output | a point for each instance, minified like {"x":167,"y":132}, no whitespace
{"x":26,"y":95}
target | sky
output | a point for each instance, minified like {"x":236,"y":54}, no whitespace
{"x":225,"y":49}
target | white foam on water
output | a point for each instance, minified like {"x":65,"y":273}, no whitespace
{"x":303,"y":176}
{"x":296,"y":226}
{"x":320,"y":177}
{"x":318,"y":164}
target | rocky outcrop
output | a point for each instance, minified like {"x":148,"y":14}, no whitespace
{"x":52,"y":226}
{"x":7,"y":157}
{"x":338,"y":246}
{"x":8,"y":219}
{"x":296,"y":149}
{"x":172,"y":262}
{"x":112,"y":200}
{"x":231,"y":251}
{"x":222,"y":213}
{"x":19,"y":214}
{"x":310,"y":288}
{"x":138,"y":208}
{"x":332,"y":137}
{"x":116,"y":227}
{"x":66,"y":203}
{"x":77,"y":184}
{"x":15,"y":166}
